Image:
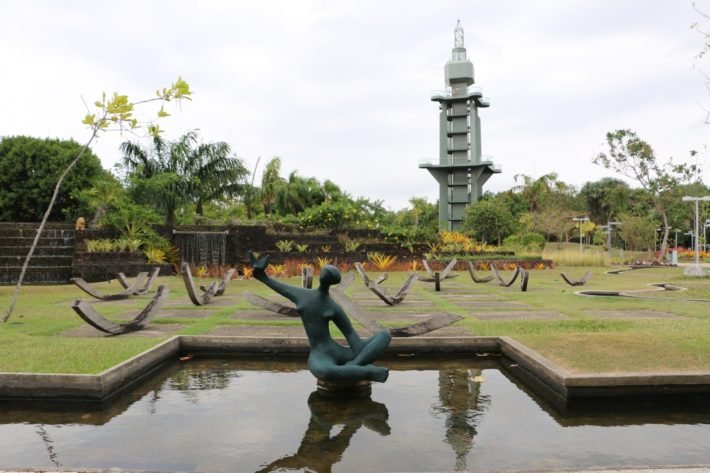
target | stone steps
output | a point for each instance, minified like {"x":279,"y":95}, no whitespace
{"x":18,"y":250}
{"x":39,"y":275}
{"x":52,"y":260}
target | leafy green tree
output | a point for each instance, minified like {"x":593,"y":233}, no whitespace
{"x":30,"y":168}
{"x":489,"y":220}
{"x":638,"y":232}
{"x":99,"y":198}
{"x":606,"y":198}
{"x":535,"y":191}
{"x":171,"y":174}
{"x":634,"y":158}
{"x":271,"y":181}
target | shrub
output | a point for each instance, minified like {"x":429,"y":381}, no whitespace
{"x":155,"y":256}
{"x":301,"y":248}
{"x":285,"y":245}
{"x":382,"y":262}
{"x":320,"y":262}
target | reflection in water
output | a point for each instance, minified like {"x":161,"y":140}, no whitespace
{"x":319,"y":449}
{"x":239,"y":415}
{"x":42,"y":432}
{"x":192,"y":380}
{"x":462,"y":404}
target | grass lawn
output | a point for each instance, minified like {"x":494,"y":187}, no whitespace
{"x":585,"y":334}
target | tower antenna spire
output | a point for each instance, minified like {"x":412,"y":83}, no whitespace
{"x":458,"y":35}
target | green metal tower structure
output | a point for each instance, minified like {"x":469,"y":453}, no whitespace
{"x":460,"y":172}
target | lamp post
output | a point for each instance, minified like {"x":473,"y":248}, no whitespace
{"x":696,"y":270}
{"x":609,"y":227}
{"x":676,"y":237}
{"x":579,"y":221}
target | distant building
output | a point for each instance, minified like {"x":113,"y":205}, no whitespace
{"x":460,"y":171}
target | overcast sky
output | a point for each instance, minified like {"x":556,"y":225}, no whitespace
{"x":340,"y":90}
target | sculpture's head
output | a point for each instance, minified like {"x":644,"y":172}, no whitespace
{"x":329,"y":275}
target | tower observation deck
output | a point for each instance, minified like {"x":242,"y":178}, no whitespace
{"x":460,"y":171}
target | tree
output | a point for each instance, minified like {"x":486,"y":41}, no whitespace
{"x":489,"y":220}
{"x":99,"y":198}
{"x":606,"y":199}
{"x":634,"y":158}
{"x":536,"y":190}
{"x":29,"y":169}
{"x":173,"y":173}
{"x":271,"y":180}
{"x":116,"y":112}
{"x":638,"y":233}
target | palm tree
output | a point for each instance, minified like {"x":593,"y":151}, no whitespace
{"x":173,"y":173}
{"x":535,"y":190}
{"x":270,"y":182}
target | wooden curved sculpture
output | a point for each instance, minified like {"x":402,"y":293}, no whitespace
{"x":476,"y":279}
{"x":380,"y":291}
{"x":276,"y":307}
{"x":307,"y":277}
{"x":123,"y":281}
{"x":503,"y":282}
{"x":524,"y":278}
{"x":578,"y":282}
{"x":429,"y":325}
{"x":132,"y":290}
{"x":206,"y":296}
{"x":445,"y":274}
{"x":223,"y":284}
{"x":96,"y":320}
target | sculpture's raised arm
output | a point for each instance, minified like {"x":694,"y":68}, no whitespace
{"x":292,"y":293}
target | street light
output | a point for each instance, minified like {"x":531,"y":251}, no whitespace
{"x":609,"y":227}
{"x":579,"y":221}
{"x":696,"y":270}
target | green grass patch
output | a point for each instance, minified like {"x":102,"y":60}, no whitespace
{"x":593,"y":334}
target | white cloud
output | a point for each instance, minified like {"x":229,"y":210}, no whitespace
{"x":340,"y":90}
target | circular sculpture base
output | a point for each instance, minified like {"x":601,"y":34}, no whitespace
{"x":350,"y":390}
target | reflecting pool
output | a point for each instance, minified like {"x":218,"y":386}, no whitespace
{"x":237,"y":415}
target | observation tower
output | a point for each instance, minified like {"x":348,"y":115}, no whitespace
{"x":460,"y":171}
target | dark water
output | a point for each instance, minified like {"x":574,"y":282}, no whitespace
{"x":234,"y":415}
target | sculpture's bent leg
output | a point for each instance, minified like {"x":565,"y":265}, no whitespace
{"x":93,"y":318}
{"x":324,"y":368}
